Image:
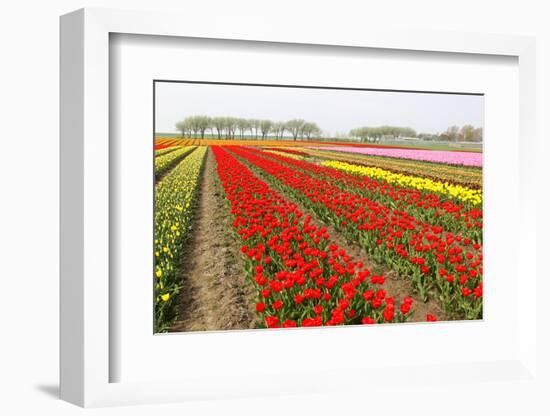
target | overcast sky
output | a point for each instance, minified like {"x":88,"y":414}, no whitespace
{"x":335,"y":111}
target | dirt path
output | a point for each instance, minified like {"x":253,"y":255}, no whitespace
{"x":215,"y":294}
{"x":394,"y":284}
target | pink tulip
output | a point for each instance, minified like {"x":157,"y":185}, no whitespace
{"x":439,"y":156}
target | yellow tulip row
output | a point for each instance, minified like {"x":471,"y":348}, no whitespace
{"x":165,"y":150}
{"x":175,"y":196}
{"x":472,"y":196}
{"x":164,"y":162}
{"x":456,"y":174}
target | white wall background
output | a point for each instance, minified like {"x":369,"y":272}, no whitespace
{"x":29,"y":206}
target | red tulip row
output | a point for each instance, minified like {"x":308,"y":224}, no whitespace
{"x":430,"y":256}
{"x":302,"y":279}
{"x":425,"y":206}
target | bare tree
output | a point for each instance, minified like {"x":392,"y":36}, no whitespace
{"x":195,"y":125}
{"x":255,"y":125}
{"x":231,"y":126}
{"x":310,"y":129}
{"x":478,"y":135}
{"x":467,"y":133}
{"x":295,"y":127}
{"x":219,"y":124}
{"x":183,"y":126}
{"x":202,"y":124}
{"x":265,"y":127}
{"x":452,"y":133}
{"x":243,"y":125}
{"x":279,"y":129}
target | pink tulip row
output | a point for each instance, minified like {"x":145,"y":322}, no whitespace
{"x":439,"y":156}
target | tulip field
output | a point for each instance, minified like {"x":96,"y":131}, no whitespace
{"x":281,"y":233}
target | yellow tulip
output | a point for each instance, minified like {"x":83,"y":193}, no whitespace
{"x":462,"y":193}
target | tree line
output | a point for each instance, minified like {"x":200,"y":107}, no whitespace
{"x":466,"y":133}
{"x":232,"y":127}
{"x":298,"y":129}
{"x":374,"y":134}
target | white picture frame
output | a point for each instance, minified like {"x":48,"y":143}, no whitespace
{"x":84,"y":311}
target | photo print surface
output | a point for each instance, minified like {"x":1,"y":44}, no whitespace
{"x":287,"y":206}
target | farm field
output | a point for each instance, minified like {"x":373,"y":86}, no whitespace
{"x":294,"y":233}
{"x":162,"y":138}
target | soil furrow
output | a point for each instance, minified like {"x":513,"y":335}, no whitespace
{"x":215,"y":294}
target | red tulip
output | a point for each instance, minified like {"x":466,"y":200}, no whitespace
{"x":272,"y":321}
{"x":260,"y":307}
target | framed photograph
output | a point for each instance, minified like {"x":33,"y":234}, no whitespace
{"x":315,"y":226}
{"x":291,"y":208}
